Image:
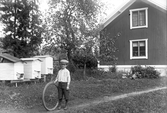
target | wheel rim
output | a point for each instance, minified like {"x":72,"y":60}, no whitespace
{"x":50,"y":96}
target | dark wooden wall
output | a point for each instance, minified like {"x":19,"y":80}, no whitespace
{"x":156,"y":33}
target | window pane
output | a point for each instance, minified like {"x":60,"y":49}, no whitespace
{"x":135,"y":51}
{"x":142,"y":43}
{"x":135,"y":44}
{"x":142,"y":18}
{"x":142,"y":48}
{"x":142,"y":51}
{"x":135,"y":18}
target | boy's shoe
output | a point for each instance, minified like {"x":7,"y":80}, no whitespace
{"x":65,"y":108}
{"x":59,"y":107}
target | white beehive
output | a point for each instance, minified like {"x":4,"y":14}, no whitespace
{"x":32,"y":68}
{"x":11,"y":68}
{"x":46,"y":64}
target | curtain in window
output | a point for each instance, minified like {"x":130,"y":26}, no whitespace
{"x":142,"y":18}
{"x":139,"y":48}
{"x":135,"y":48}
{"x":135,"y":18}
{"x":138,"y":18}
{"x":142,"y":48}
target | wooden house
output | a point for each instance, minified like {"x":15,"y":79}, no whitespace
{"x":11,"y":68}
{"x":140,"y":28}
{"x":46,"y":64}
{"x":32,"y":68}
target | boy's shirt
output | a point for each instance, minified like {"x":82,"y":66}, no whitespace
{"x":63,"y":76}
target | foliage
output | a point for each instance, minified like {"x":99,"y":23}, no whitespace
{"x":22,"y":27}
{"x":71,"y":67}
{"x":145,"y":72}
{"x":78,"y":75}
{"x":89,"y":60}
{"x":107,"y":46}
{"x":70,"y":23}
{"x":95,"y":74}
{"x":113,"y":69}
{"x":91,"y":73}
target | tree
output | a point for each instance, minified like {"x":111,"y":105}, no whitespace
{"x":70,"y":23}
{"x":22,"y":27}
{"x":107,"y":47}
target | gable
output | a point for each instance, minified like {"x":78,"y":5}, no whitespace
{"x":125,"y":7}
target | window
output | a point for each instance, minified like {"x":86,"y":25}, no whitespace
{"x":139,"y":18}
{"x":139,"y":49}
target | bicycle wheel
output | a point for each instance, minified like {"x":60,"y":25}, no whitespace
{"x":50,"y":96}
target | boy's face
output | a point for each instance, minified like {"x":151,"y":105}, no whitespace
{"x":63,"y":66}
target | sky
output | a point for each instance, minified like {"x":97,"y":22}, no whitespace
{"x":114,"y":4}
{"x":111,"y":5}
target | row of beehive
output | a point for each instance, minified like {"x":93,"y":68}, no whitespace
{"x":12,"y":68}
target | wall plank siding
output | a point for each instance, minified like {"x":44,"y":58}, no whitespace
{"x":156,"y":33}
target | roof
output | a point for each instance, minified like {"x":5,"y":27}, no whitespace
{"x":30,"y":59}
{"x":10,"y":57}
{"x":42,"y":56}
{"x":120,"y":10}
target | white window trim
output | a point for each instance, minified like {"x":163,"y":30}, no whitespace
{"x":146,"y":26}
{"x":131,"y":49}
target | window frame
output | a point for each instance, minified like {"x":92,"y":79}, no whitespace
{"x":146,"y":18}
{"x":146,"y":49}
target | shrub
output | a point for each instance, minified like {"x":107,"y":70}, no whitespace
{"x":151,"y":72}
{"x":79,"y":61}
{"x":90,"y":73}
{"x":144,"y":72}
{"x":101,"y":74}
{"x":113,"y":69}
{"x":56,"y":69}
{"x":95,"y":73}
{"x":78,"y":75}
{"x":71,"y":68}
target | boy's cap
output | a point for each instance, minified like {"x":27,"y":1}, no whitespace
{"x":64,"y":61}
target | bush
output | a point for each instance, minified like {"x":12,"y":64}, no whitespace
{"x":90,"y":73}
{"x":113,"y":69}
{"x":71,"y":68}
{"x":144,"y":72}
{"x":79,"y":61}
{"x":101,"y":74}
{"x":78,"y":75}
{"x":95,"y":73}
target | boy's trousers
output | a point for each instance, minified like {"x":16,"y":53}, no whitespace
{"x":62,"y":91}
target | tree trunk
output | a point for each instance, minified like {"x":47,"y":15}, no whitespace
{"x":69,"y":55}
{"x":84,"y":72}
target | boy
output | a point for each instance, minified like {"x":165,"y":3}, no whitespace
{"x":63,"y":78}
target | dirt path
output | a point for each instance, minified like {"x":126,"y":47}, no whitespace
{"x":109,"y":98}
{"x":40,"y":108}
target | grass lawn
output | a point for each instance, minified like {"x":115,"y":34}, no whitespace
{"x":154,"y":102}
{"x":29,"y":95}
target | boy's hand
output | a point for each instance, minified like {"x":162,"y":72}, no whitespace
{"x":67,"y":87}
{"x":55,"y":81}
